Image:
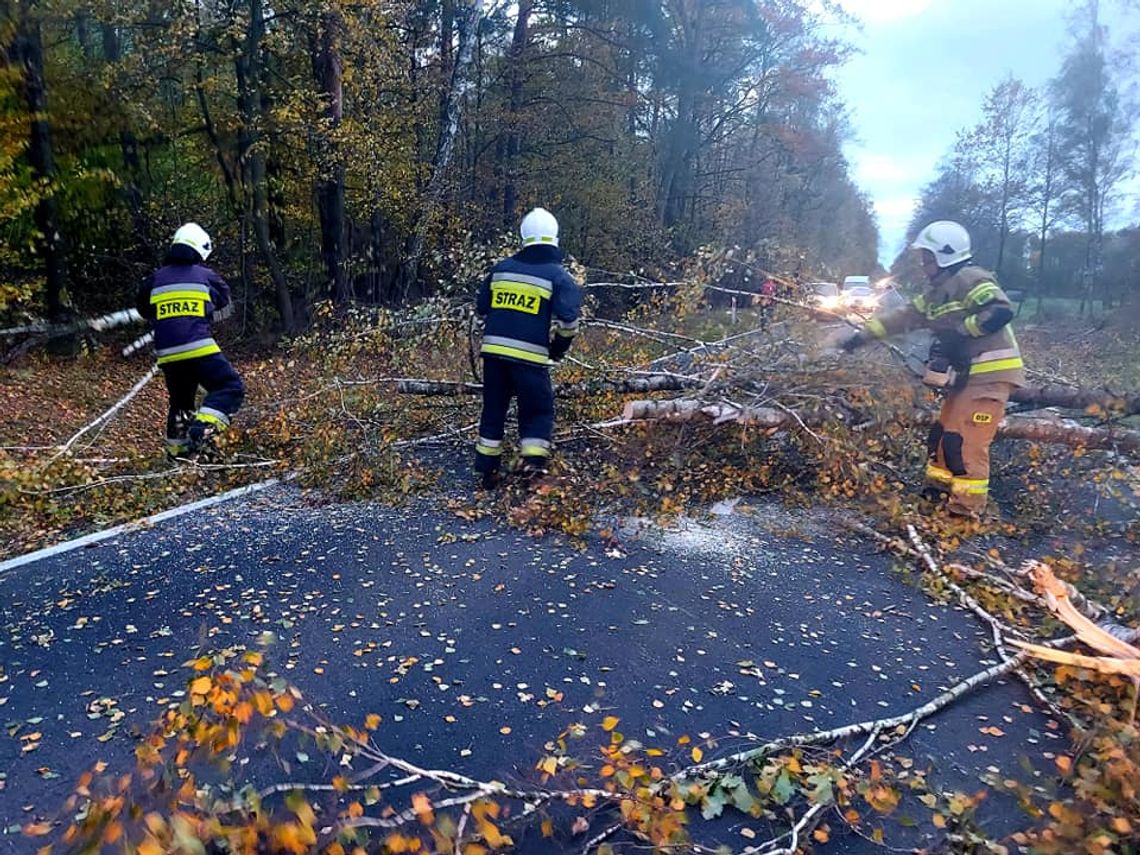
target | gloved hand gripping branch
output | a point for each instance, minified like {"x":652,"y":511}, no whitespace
{"x":559,"y":345}
{"x":855,"y":340}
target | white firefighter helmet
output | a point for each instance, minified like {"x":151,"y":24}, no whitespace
{"x":195,"y":237}
{"x":949,"y":242}
{"x":539,"y":226}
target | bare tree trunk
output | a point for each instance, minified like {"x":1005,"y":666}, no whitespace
{"x":211,"y":129}
{"x":247,"y":67}
{"x":677,"y":169}
{"x":1043,"y":237}
{"x":129,"y":146}
{"x":474,"y":136}
{"x":1062,"y":432}
{"x":446,"y":53}
{"x":27,"y":54}
{"x":1003,"y":228}
{"x":517,"y":59}
{"x":1066,"y":397}
{"x":328,"y":70}
{"x":584,"y":389}
{"x":466,"y":22}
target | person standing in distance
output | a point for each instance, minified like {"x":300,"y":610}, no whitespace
{"x":974,"y":360}
{"x":531,"y":305}
{"x":180,"y":300}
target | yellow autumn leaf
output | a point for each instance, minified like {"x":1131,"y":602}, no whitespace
{"x":200,"y":685}
{"x":610,"y":722}
{"x":697,"y":754}
{"x":421,"y":804}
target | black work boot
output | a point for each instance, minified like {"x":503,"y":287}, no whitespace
{"x":490,"y":480}
{"x":200,"y":442}
{"x":933,"y":494}
{"x":177,"y":434}
{"x":534,"y":467}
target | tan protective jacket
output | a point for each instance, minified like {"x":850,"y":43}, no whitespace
{"x":955,"y":307}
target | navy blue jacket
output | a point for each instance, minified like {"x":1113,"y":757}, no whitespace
{"x":180,"y":300}
{"x":522,"y":297}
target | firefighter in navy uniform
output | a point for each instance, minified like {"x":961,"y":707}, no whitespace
{"x":531,"y":306}
{"x":974,"y":359}
{"x":180,"y":301}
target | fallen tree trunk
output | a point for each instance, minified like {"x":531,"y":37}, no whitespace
{"x":1058,"y":431}
{"x":627,"y":386}
{"x":1072,"y":398}
{"x":1068,"y":432}
{"x":1062,"y":397}
{"x":100,"y":323}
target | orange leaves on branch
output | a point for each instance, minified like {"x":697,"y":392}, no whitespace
{"x":400,"y":843}
{"x":483,"y":812}
{"x":422,"y":807}
{"x":263,"y":700}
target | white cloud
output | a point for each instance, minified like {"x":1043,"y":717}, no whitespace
{"x":883,"y":11}
{"x":881,"y":169}
{"x":893,"y":214}
{"x":896,"y":208}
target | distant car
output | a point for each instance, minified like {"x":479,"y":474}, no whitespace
{"x":824,"y":295}
{"x":860,"y":299}
{"x":856,"y":282}
{"x":830,"y":301}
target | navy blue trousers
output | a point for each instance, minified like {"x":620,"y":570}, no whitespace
{"x":224,"y":395}
{"x":504,"y":379}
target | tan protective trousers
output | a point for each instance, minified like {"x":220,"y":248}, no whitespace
{"x":959,"y":445}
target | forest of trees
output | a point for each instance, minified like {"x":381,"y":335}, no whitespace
{"x":359,"y":149}
{"x":1038,"y":179}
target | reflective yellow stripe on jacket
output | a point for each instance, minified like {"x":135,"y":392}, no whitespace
{"x":513,"y":348}
{"x":191,"y":350}
{"x":990,"y":361}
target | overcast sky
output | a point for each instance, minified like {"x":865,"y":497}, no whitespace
{"x":924,"y":69}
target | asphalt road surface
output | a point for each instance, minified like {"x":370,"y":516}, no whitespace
{"x":652,"y":632}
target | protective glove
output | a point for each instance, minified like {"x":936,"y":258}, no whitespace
{"x":948,"y":344}
{"x":856,"y":339}
{"x":559,"y":344}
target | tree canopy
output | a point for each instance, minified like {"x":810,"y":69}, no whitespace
{"x":353,"y":149}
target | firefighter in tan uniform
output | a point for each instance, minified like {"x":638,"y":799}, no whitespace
{"x":974,"y":359}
